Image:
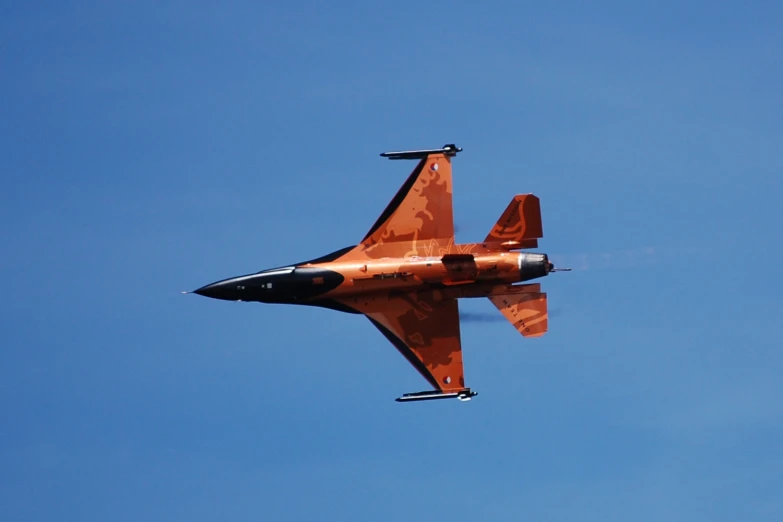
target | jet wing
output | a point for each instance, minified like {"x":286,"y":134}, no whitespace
{"x":425,"y":331}
{"x":419,"y":219}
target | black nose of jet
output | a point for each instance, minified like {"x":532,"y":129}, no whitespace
{"x":227,"y":290}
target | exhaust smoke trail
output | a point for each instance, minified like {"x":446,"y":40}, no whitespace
{"x":605,"y":260}
{"x":481,"y":317}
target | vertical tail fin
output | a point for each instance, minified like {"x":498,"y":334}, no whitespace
{"x":520,"y":222}
{"x":526,"y":311}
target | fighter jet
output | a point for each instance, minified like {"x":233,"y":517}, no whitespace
{"x":407,"y":274}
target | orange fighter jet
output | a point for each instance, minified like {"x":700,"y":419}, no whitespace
{"x":407,"y":273}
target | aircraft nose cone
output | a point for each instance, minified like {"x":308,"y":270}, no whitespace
{"x":225,"y":290}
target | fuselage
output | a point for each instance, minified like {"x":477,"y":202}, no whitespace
{"x":316,"y":281}
{"x":407,"y":272}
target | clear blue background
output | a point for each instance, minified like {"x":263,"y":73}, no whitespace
{"x":149,"y":148}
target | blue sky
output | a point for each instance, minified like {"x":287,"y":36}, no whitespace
{"x":149,"y":149}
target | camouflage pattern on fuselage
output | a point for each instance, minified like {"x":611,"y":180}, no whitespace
{"x":407,"y":274}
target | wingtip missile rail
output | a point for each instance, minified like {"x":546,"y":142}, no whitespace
{"x":449,"y":150}
{"x":432,"y":395}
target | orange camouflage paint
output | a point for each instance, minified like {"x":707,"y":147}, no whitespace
{"x":407,"y":274}
{"x":520,"y":223}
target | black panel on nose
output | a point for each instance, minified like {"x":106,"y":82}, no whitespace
{"x":228,"y":290}
{"x":282,"y":285}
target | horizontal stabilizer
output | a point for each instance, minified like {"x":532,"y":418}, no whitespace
{"x":520,"y":224}
{"x":527,"y":312}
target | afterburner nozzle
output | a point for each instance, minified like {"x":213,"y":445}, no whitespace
{"x":532,"y":266}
